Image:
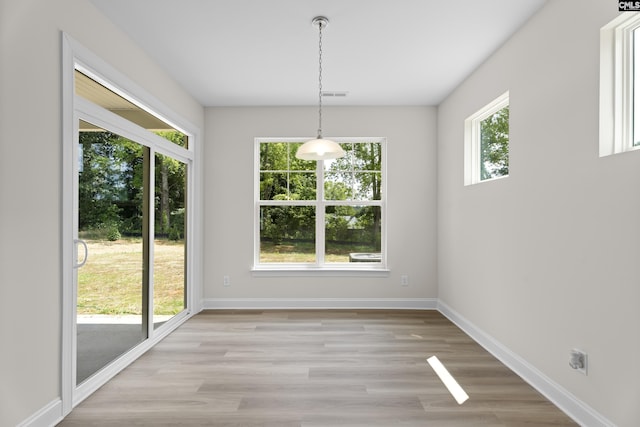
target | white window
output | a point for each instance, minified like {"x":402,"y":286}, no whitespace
{"x":619,"y":95}
{"x":486,"y":142}
{"x":319,"y":215}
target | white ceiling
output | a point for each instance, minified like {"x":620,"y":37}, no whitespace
{"x":265,"y":52}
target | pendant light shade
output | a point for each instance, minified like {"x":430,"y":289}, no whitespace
{"x":320,"y":148}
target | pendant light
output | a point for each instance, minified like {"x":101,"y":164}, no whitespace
{"x":320,"y":148}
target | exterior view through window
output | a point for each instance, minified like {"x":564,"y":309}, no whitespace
{"x":486,"y":142}
{"x":619,"y":92}
{"x":320,"y":213}
{"x":494,"y":145}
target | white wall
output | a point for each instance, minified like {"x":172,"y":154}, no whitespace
{"x":547,"y":259}
{"x":30,"y":182}
{"x":228,"y":160}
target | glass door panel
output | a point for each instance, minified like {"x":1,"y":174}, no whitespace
{"x":112,"y":284}
{"x":169,"y":278}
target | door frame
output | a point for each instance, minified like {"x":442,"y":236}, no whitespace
{"x":75,"y":56}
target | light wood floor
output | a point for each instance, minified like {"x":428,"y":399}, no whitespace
{"x":314,"y":368}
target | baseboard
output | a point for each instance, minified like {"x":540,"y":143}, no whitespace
{"x":47,"y":416}
{"x":563,"y":399}
{"x":321,"y":303}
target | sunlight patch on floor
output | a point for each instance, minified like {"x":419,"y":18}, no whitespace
{"x":452,"y":385}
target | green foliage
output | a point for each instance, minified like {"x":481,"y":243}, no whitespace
{"x":175,"y":234}
{"x":494,"y":145}
{"x":113,"y":233}
{"x":174,"y":136}
{"x":106,"y":231}
{"x":339,"y":221}
{"x":335,"y":189}
{"x":360,"y":170}
{"x":111,"y":192}
{"x":109,"y":181}
{"x":280,"y":223}
{"x":170,"y":188}
{"x":357,"y":176}
{"x":283,"y":176}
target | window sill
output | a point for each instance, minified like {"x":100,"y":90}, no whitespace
{"x":497,"y":178}
{"x":309,"y":271}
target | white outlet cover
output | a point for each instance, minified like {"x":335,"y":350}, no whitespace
{"x":578,"y":361}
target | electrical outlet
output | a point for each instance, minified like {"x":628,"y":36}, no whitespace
{"x":578,"y":361}
{"x":226,"y":281}
{"x":404,"y":280}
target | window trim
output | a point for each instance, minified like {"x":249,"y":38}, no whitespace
{"x":472,"y":140}
{"x":616,"y":85}
{"x":319,"y":268}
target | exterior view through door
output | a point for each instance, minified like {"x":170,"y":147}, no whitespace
{"x":130,"y":228}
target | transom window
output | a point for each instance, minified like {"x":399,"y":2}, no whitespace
{"x":320,"y":214}
{"x":95,"y":92}
{"x":487,"y":142}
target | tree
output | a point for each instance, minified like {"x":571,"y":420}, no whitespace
{"x":494,"y":145}
{"x":170,"y":177}
{"x":111,"y":185}
{"x":361,"y":171}
{"x":285,"y":177}
{"x":100,"y":182}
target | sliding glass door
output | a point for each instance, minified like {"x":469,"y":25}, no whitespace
{"x":127,"y":221}
{"x":131,"y":233}
{"x":112,"y":284}
{"x":130,"y":227}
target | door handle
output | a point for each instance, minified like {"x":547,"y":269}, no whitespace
{"x":86,"y":252}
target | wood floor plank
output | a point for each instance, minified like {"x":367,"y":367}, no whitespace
{"x":313,"y":368}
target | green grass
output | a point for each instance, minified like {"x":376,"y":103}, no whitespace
{"x":111,"y":280}
{"x":301,"y":252}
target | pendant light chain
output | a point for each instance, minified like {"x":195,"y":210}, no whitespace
{"x":320,"y":25}
{"x":320,"y":148}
